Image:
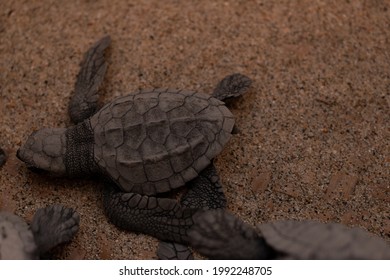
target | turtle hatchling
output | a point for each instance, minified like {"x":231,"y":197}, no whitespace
{"x":50,"y":227}
{"x":220,"y":235}
{"x":143,"y":144}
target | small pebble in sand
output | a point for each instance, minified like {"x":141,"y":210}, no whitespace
{"x":3,"y":157}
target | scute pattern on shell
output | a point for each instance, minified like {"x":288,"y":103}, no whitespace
{"x":153,"y":141}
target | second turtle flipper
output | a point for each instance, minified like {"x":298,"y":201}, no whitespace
{"x":54,"y":225}
{"x":218,"y":234}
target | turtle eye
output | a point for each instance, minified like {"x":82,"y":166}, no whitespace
{"x":36,"y":170}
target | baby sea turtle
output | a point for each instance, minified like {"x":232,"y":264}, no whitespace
{"x":145,"y":143}
{"x":50,"y":227}
{"x":220,"y":235}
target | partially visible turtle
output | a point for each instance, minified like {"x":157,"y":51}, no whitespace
{"x":220,"y":235}
{"x":146,"y":143}
{"x":50,"y":227}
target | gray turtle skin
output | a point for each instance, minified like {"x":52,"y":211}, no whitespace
{"x":50,"y":227}
{"x":220,"y":235}
{"x":204,"y":192}
{"x":165,"y":218}
{"x":143,"y":144}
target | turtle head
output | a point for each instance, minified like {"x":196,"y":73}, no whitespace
{"x":44,"y":151}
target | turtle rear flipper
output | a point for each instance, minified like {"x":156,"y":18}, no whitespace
{"x":232,"y":86}
{"x":83,"y":103}
{"x":54,"y":225}
{"x":204,"y":192}
{"x":220,"y":235}
{"x":173,"y":251}
{"x":163,"y":218}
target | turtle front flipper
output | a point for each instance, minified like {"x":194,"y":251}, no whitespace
{"x":204,"y":192}
{"x":54,"y":225}
{"x":232,"y":86}
{"x":218,"y":234}
{"x":83,"y":103}
{"x":162,"y":218}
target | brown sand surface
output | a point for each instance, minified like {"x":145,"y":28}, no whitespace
{"x":314,"y":129}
